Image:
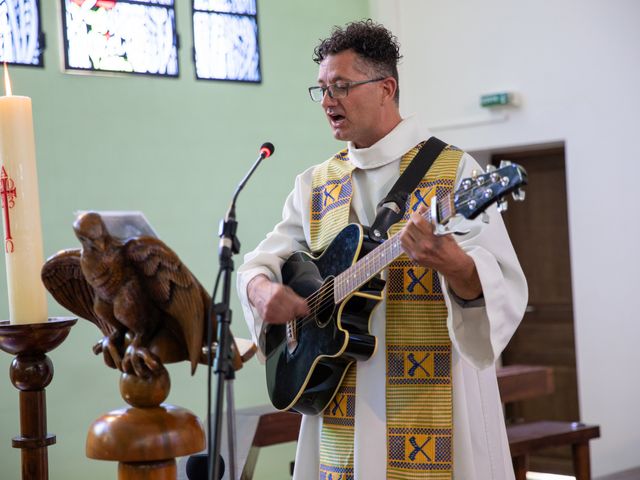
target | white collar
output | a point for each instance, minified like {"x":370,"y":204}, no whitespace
{"x":406,"y":135}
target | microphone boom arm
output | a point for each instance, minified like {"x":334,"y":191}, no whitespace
{"x":266,"y":150}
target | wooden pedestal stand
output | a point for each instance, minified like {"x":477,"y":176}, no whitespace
{"x":30,"y":372}
{"x":147,"y":437}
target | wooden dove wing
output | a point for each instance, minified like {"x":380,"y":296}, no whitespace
{"x":63,"y":278}
{"x":173,"y":288}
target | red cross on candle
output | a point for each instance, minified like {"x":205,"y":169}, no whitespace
{"x":8,"y":194}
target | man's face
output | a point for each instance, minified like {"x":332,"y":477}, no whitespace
{"x":357,"y":116}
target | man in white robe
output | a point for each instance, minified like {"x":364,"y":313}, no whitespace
{"x":483,"y":284}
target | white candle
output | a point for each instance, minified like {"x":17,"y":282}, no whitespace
{"x":21,"y":210}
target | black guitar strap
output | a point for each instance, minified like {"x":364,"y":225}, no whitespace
{"x":392,"y":207}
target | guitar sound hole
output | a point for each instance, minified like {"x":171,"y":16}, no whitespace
{"x":323,"y":314}
{"x":323,"y":304}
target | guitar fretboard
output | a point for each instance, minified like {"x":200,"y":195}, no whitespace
{"x":381,"y":257}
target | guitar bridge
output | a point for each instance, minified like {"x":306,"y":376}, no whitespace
{"x":292,"y":336}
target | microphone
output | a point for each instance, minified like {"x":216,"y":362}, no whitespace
{"x":267,"y":149}
{"x":197,"y":467}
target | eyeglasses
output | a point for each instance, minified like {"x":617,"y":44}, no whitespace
{"x":337,"y":90}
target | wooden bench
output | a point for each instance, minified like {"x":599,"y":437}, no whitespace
{"x":522,"y":382}
{"x":526,"y":438}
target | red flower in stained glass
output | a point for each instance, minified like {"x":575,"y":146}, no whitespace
{"x":107,"y":4}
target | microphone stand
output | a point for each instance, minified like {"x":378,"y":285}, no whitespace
{"x":223,"y":365}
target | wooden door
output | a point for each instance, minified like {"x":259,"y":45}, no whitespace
{"x":539,"y":232}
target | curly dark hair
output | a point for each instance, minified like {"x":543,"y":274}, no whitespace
{"x":376,"y":46}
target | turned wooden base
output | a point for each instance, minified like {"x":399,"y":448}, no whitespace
{"x":147,"y":437}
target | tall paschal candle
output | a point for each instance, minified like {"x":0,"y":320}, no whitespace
{"x":21,"y":210}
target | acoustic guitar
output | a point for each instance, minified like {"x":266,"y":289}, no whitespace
{"x":307,"y":358}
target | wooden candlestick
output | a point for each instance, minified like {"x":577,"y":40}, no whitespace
{"x":31,"y":371}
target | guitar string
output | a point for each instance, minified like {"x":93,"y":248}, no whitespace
{"x":324,"y":298}
{"x":326,"y":301}
{"x":363,"y":266}
{"x":353,"y":269}
{"x":324,"y":294}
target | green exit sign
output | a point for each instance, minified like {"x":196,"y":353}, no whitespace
{"x":496,"y":99}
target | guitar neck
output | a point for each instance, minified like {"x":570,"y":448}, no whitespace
{"x":381,"y":257}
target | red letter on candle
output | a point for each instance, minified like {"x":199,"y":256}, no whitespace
{"x":8,"y":193}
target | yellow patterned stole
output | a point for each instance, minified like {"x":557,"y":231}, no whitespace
{"x":418,"y":350}
{"x":330,"y":200}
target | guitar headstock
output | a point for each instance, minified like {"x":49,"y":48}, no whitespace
{"x":477,"y":193}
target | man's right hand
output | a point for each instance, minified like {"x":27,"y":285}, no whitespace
{"x":276,"y":303}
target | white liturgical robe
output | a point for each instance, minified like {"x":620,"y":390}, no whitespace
{"x":479,"y":330}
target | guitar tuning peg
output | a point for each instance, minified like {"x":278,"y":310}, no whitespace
{"x":518,"y":195}
{"x":485,"y":217}
{"x":490,"y":168}
{"x":502,"y":205}
{"x":504,"y":163}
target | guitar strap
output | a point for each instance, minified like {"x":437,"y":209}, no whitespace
{"x":391,"y":208}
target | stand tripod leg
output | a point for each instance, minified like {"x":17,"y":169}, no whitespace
{"x":231,"y":430}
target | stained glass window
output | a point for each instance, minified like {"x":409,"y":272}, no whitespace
{"x":133,"y":36}
{"x":225,"y":34}
{"x":21,"y":39}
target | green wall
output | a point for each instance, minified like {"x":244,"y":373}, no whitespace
{"x":175,"y":149}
